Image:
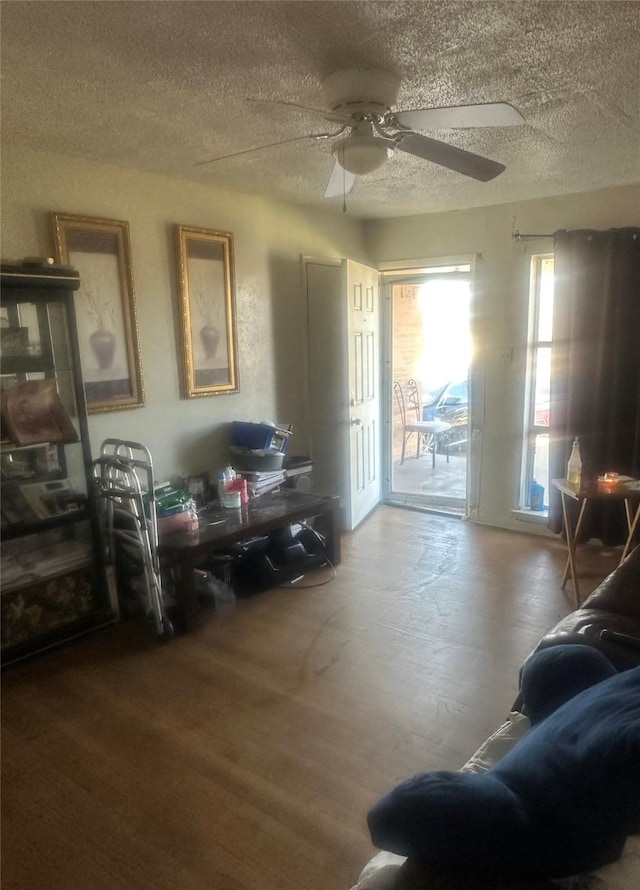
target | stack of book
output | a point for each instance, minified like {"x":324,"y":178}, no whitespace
{"x":261,"y":482}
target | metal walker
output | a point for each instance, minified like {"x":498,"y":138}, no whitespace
{"x":124,"y":484}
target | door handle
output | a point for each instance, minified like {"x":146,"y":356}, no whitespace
{"x":355,"y":421}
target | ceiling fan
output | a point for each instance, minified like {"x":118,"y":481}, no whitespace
{"x":360,"y":103}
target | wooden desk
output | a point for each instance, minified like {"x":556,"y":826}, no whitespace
{"x":596,"y":492}
{"x":220,"y":528}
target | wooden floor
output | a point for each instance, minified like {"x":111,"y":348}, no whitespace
{"x":247,"y":754}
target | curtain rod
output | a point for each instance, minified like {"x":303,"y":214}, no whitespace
{"x":518,"y":236}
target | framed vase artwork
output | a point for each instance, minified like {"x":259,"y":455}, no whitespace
{"x":105,"y":307}
{"x":207,"y":312}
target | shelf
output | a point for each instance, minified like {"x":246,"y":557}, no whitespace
{"x":28,"y":364}
{"x":18,"y":574}
{"x":19,"y":529}
{"x":7,"y":446}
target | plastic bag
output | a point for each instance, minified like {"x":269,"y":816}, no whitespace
{"x":211,"y":587}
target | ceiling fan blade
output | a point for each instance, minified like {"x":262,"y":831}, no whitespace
{"x":237,"y":154}
{"x":340,"y":182}
{"x":490,"y":114}
{"x":450,"y":156}
{"x":327,"y":115}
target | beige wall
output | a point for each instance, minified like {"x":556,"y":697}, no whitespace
{"x":188,"y":435}
{"x":500,"y":327}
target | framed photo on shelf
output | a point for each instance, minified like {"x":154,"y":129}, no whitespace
{"x":33,"y":413}
{"x":207,"y":312}
{"x":100,"y":250}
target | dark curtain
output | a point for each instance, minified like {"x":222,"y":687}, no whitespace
{"x":595,"y":367}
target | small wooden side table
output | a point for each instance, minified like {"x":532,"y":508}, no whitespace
{"x":597,"y":492}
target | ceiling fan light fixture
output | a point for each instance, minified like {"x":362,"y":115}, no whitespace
{"x":361,"y":154}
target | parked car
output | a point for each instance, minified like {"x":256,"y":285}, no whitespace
{"x":450,"y":403}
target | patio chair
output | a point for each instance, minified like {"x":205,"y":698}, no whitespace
{"x":427,"y":431}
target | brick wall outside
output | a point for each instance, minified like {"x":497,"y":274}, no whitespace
{"x":407,"y":352}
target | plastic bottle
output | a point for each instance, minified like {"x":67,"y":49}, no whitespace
{"x":574,"y":467}
{"x":536,"y":496}
{"x":225,"y":477}
{"x":229,"y":488}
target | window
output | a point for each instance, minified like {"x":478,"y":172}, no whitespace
{"x":536,"y":442}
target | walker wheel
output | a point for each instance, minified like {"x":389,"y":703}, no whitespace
{"x":168,"y":631}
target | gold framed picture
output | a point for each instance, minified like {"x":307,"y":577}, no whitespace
{"x":207,"y":312}
{"x":100,"y":250}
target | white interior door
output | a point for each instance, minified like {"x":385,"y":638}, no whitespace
{"x":327,"y":350}
{"x":363,"y":332}
{"x":344,"y":383}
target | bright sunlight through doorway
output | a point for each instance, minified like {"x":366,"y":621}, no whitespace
{"x":431,"y":353}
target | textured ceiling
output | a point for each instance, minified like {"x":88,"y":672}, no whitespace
{"x":161,"y":86}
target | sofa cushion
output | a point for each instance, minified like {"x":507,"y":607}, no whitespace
{"x":613,"y":605}
{"x":558,"y":674}
{"x":561,"y":802}
{"x":620,"y":591}
{"x":584,"y":626}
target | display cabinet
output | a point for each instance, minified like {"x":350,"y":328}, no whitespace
{"x":52,"y":584}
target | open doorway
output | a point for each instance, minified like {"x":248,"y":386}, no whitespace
{"x":430,"y":359}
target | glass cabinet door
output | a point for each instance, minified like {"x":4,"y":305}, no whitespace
{"x":52,"y":585}
{"x":41,"y":451}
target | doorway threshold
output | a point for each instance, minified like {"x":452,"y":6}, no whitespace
{"x":455,"y":512}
